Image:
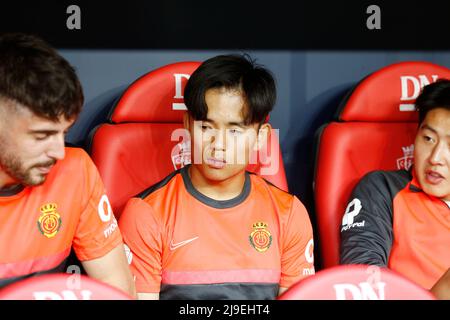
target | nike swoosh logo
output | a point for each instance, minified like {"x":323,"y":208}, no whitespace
{"x":174,"y":246}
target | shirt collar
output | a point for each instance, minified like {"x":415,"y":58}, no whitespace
{"x":414,"y":184}
{"x":12,"y":191}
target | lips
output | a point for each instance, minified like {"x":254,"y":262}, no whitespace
{"x":44,"y":169}
{"x":216,"y":163}
{"x":433,"y":177}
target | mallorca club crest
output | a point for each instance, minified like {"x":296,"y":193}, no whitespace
{"x":49,"y":221}
{"x":181,"y":155}
{"x":260,"y":238}
{"x":406,"y":161}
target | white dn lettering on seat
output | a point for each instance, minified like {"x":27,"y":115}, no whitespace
{"x":417,"y":85}
{"x":179,"y":91}
{"x":63,"y":295}
{"x":363,"y":291}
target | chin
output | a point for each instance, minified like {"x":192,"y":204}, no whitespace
{"x":222,"y":174}
{"x":435,"y":192}
{"x":216,"y":174}
{"x":35,"y":180}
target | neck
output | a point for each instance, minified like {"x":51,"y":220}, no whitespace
{"x":217,"y":190}
{"x":6,"y":182}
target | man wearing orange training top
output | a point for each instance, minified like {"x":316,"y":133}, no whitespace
{"x":211,"y":230}
{"x":51,"y":197}
{"x":401,"y":219}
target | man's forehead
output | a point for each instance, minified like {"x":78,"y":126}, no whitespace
{"x":36,"y":121}
{"x":28,"y":119}
{"x":438,"y":115}
{"x":225,"y":114}
{"x":13,"y":108}
{"x":437,"y":121}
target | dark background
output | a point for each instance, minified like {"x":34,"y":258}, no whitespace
{"x":234,"y":24}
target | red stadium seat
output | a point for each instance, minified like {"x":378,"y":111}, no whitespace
{"x":141,"y":144}
{"x":356,"y":282}
{"x":61,"y":286}
{"x":375,"y":130}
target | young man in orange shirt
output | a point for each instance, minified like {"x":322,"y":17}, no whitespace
{"x":401,"y":219}
{"x":211,"y":230}
{"x":51,"y":197}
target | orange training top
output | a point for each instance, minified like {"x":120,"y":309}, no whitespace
{"x":40,"y":224}
{"x":186,"y":245}
{"x":391,"y":222}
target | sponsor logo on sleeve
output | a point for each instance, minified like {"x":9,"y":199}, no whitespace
{"x":110,"y":228}
{"x":353,"y":209}
{"x":106,"y":215}
{"x":309,"y":252}
{"x":104,"y":209}
{"x":309,"y":256}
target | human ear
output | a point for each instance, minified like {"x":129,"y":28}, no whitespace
{"x":263,"y":136}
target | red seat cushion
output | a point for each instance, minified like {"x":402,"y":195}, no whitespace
{"x":354,"y":149}
{"x":356,"y":282}
{"x":61,"y":287}
{"x":131,"y":157}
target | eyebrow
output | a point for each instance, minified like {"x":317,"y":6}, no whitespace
{"x":238,"y":124}
{"x":43,"y":131}
{"x":427,"y":127}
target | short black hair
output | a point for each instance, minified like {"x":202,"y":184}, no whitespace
{"x":33,"y":74}
{"x":435,"y":95}
{"x":232,"y":72}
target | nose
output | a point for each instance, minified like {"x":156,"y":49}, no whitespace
{"x":219,"y":140}
{"x":56,"y":149}
{"x":437,"y":155}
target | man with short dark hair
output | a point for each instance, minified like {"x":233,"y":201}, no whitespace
{"x":211,"y":230}
{"x":52,"y":198}
{"x":406,"y":214}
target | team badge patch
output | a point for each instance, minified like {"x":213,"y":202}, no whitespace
{"x":49,"y":221}
{"x":260,"y":238}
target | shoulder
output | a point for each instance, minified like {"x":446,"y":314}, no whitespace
{"x":160,"y":186}
{"x":149,"y":201}
{"x":286,"y":203}
{"x":76,"y":166}
{"x":261,"y":185}
{"x":384,"y":182}
{"x":76,"y":153}
{"x":76,"y":156}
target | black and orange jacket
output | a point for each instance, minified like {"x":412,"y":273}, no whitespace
{"x":391,"y":222}
{"x":39,"y":225}
{"x":185,"y":245}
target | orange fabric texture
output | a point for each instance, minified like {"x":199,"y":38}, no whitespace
{"x":175,"y":238}
{"x":421,"y":247}
{"x":40,"y":224}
